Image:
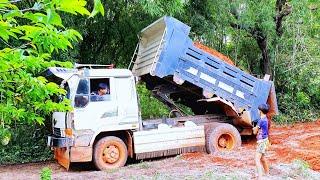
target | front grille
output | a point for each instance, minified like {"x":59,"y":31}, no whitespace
{"x":57,"y":132}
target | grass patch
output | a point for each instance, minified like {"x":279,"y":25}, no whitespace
{"x":112,"y":170}
{"x":301,"y":167}
{"x":45,"y":174}
{"x":140,"y":165}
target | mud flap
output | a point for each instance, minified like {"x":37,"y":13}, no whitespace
{"x":62,"y":155}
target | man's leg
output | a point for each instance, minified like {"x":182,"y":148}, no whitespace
{"x":265,"y":165}
{"x":258,"y":164}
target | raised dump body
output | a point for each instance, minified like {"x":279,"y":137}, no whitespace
{"x":166,"y":54}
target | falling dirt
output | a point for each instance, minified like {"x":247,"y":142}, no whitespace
{"x":289,"y":143}
{"x":214,"y":53}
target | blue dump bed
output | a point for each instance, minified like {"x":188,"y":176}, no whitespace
{"x":165,"y":50}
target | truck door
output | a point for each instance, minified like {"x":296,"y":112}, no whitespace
{"x":90,"y":113}
{"x":127,"y":102}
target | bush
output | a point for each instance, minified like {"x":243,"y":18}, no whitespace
{"x":27,"y":144}
{"x":296,"y":107}
{"x":150,"y":107}
{"x":5,"y":136}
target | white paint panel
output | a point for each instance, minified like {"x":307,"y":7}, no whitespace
{"x":127,"y":102}
{"x":164,"y":131}
{"x":165,"y":139}
{"x":240,"y":94}
{"x":150,"y":42}
{"x":208,"y":78}
{"x":161,"y":146}
{"x":192,"y":71}
{"x":109,"y":72}
{"x":225,"y":87}
{"x":167,"y":136}
{"x":60,"y":119}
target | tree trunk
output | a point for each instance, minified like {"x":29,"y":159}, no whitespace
{"x":265,"y":61}
{"x":283,"y":9}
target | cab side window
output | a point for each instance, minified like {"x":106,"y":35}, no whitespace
{"x":100,"y":89}
{"x":82,"y":96}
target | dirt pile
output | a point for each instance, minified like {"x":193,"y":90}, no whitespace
{"x":214,"y":53}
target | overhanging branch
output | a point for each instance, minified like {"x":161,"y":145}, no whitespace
{"x":283,"y":9}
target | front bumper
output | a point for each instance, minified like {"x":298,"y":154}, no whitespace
{"x":54,"y":141}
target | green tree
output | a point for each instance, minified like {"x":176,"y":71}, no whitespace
{"x":111,"y":39}
{"x":297,"y":60}
{"x":29,"y":33}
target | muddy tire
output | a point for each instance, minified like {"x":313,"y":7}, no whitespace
{"x":110,"y":153}
{"x":223,"y":137}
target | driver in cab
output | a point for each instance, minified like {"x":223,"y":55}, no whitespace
{"x":102,"y":94}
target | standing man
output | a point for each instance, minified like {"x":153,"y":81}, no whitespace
{"x":262,"y":132}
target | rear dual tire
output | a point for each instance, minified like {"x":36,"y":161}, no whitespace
{"x":223,"y":137}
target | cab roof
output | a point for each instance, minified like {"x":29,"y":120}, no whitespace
{"x":66,"y":73}
{"x":107,"y":72}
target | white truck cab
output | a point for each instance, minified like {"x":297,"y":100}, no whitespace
{"x":118,"y":111}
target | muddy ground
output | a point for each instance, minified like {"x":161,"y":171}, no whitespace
{"x":294,"y":154}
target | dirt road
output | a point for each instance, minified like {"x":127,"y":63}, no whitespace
{"x":291,"y":147}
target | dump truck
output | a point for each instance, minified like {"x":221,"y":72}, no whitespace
{"x":177,"y":69}
{"x":108,"y":131}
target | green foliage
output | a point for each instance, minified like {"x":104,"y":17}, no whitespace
{"x":27,"y":144}
{"x":150,"y":107}
{"x":98,"y":7}
{"x":30,"y":32}
{"x":160,"y":8}
{"x":46,"y":173}
{"x":5,"y":136}
{"x":297,"y":61}
{"x":111,"y":39}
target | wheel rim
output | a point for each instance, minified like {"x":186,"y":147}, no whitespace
{"x":111,"y":154}
{"x":226,"y":142}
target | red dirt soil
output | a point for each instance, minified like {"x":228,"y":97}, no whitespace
{"x":298,"y":141}
{"x":214,"y":52}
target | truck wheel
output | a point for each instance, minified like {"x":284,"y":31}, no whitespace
{"x":223,"y":137}
{"x":110,"y":153}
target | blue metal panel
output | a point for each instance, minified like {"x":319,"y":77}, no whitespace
{"x":174,"y":46}
{"x":180,"y":55}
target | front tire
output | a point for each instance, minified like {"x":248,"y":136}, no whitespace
{"x":110,"y":153}
{"x":223,"y":137}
